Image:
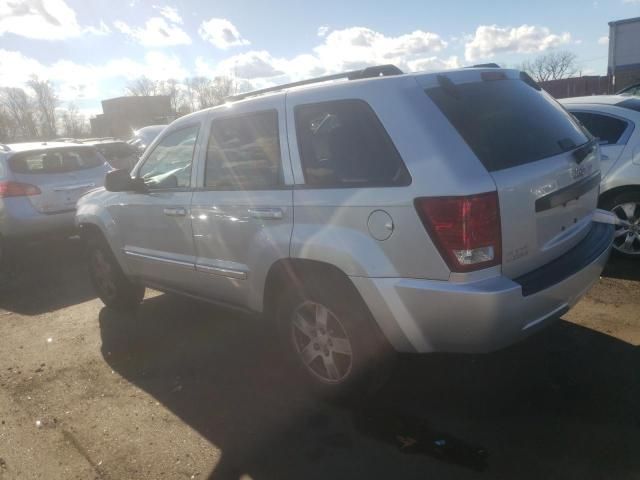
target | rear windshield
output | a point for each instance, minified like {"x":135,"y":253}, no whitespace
{"x":507,"y":122}
{"x":56,"y":161}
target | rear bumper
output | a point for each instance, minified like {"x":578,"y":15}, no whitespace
{"x":483,"y":316}
{"x":18,"y":220}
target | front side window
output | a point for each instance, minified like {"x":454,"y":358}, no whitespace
{"x":169,"y":165}
{"x":343,"y":144}
{"x":56,"y":161}
{"x":244,"y":152}
{"x":607,"y":129}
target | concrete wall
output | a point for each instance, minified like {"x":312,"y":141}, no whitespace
{"x":624,"y":52}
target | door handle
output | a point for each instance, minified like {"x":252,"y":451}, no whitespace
{"x":604,"y":158}
{"x":175,"y":212}
{"x":266,"y":213}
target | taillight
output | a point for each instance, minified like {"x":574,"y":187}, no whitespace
{"x":17,"y":189}
{"x":466,"y":230}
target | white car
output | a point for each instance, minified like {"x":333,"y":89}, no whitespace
{"x":615,"y":121}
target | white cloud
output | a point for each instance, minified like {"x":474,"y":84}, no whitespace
{"x":358,"y":47}
{"x":491,"y":39}
{"x":43,"y":20}
{"x":86,"y":81}
{"x":221,"y":33}
{"x":157,"y":32}
{"x":340,"y":50}
{"x":323,"y":30}
{"x":170,"y":13}
{"x":430,"y":64}
{"x":604,"y":40}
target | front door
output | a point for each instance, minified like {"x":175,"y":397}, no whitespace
{"x":242,"y":214}
{"x":155,"y":226}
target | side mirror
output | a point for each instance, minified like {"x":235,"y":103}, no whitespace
{"x":121,"y":181}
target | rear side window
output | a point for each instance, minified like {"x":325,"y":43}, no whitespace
{"x":244,"y":152}
{"x":56,"y":161}
{"x":607,"y":129}
{"x":507,"y":122}
{"x":342,"y":144}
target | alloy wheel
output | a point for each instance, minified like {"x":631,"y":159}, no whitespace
{"x":627,"y":235}
{"x":321,"y":342}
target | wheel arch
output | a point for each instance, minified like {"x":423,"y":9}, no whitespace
{"x":609,"y":194}
{"x":291,"y":272}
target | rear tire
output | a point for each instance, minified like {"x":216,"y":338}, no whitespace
{"x":332,"y":341}
{"x":111,"y":284}
{"x":626,"y":206}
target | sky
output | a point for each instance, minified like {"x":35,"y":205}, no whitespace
{"x":91,"y":49}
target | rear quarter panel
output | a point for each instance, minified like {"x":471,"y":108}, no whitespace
{"x":331,"y":223}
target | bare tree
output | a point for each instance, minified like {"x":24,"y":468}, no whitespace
{"x":194,"y":93}
{"x":6,"y":126}
{"x":171,"y":88}
{"x":74,"y":125}
{"x":142,"y":87}
{"x":551,"y":66}
{"x":46,"y":103}
{"x":20,"y":110}
{"x":211,"y":92}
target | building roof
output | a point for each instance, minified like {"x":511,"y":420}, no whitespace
{"x":625,"y":20}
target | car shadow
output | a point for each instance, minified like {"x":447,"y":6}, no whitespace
{"x":561,"y":405}
{"x":622,"y":268}
{"x":44,"y":276}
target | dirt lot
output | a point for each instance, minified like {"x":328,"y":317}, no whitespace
{"x":185,"y":390}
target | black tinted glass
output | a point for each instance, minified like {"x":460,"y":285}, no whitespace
{"x":507,"y":122}
{"x":56,"y":161}
{"x":244,"y":152}
{"x":342,"y":143}
{"x":606,"y":129}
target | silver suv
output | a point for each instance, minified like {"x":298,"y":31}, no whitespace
{"x":384,"y":213}
{"x":40,"y":184}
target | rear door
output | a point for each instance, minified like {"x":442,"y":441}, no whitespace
{"x":545,"y":167}
{"x":243,"y":212}
{"x":63,"y":175}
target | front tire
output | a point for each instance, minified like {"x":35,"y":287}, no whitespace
{"x":111,"y":284}
{"x":332,"y":341}
{"x":626,"y":206}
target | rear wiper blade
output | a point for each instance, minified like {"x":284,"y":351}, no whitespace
{"x":583,"y":151}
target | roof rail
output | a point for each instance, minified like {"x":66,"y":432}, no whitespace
{"x":369,"y":72}
{"x":5,"y":148}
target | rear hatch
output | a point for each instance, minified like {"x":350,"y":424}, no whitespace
{"x":545,"y":167}
{"x":62,"y":175}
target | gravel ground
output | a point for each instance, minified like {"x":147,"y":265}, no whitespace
{"x":182,"y":389}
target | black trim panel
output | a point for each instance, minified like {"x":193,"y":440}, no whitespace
{"x":582,"y":255}
{"x":566,"y":194}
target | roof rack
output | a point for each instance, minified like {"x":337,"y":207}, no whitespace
{"x":369,"y":72}
{"x":485,"y":65}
